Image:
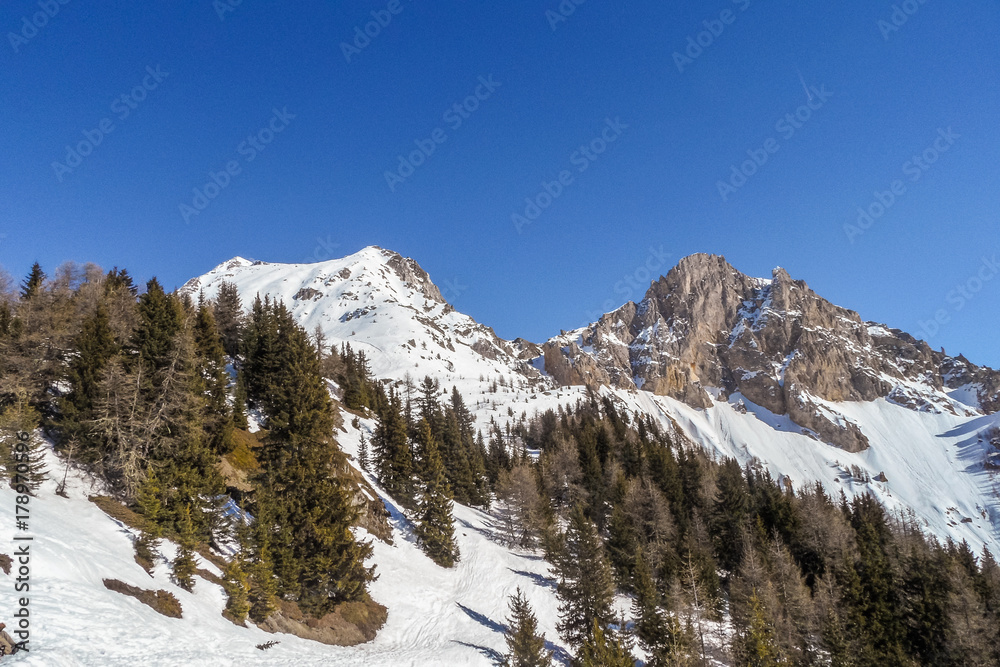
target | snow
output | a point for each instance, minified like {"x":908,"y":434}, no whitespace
{"x":922,"y":449}
{"x":933,"y":461}
{"x":931,"y":454}
{"x":879,"y":330}
{"x":436,"y":616}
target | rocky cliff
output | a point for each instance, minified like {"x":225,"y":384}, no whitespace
{"x":705,"y":331}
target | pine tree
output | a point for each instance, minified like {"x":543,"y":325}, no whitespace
{"x":236,"y":583}
{"x":757,"y":645}
{"x":240,"y":403}
{"x":363,"y":453}
{"x":729,"y":514}
{"x":658,"y":632}
{"x":435,"y":526}
{"x":316,"y":556}
{"x":160,"y":321}
{"x":604,"y":647}
{"x":95,"y":346}
{"x":585,"y":588}
{"x":525,"y":647}
{"x":150,"y":506}
{"x":185,"y":566}
{"x":33,"y":283}
{"x":455,"y":454}
{"x":228,"y":313}
{"x":21,"y":451}
{"x":213,"y":382}
{"x":393,"y":460}
{"x":263,"y":596}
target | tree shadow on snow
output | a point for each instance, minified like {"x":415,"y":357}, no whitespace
{"x":558,"y":653}
{"x":483,"y":619}
{"x":398,"y":520}
{"x":491,"y":535}
{"x":540,"y":580}
{"x":490,"y":653}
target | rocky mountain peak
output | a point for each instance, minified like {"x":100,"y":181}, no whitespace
{"x":705,"y":329}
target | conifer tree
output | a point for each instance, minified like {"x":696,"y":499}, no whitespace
{"x":757,"y":645}
{"x":435,"y":526}
{"x":184,"y":566}
{"x":263,"y":596}
{"x":228,"y":312}
{"x":658,"y":632}
{"x":94,"y":345}
{"x":33,"y":283}
{"x":391,"y":453}
{"x":240,"y":403}
{"x":236,"y":583}
{"x":585,"y":588}
{"x":21,"y":452}
{"x":213,"y":382}
{"x":605,"y":647}
{"x":525,"y":647}
{"x":729,"y":514}
{"x":148,"y":501}
{"x":316,"y":555}
{"x":160,"y":321}
{"x":363,"y":453}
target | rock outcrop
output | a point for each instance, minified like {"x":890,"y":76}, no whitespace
{"x":707,"y":326}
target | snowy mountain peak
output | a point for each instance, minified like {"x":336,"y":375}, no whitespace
{"x":383,"y":303}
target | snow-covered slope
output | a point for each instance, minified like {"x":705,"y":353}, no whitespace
{"x":922,"y":414}
{"x":932,"y":463}
{"x":436,"y":616}
{"x":380,"y":303}
{"x":921,"y":458}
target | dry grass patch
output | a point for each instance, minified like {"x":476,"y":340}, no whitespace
{"x":161,"y":601}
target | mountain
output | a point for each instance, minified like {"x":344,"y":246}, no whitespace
{"x":705,"y":331}
{"x":712,"y":357}
{"x":382,"y":304}
{"x":756,"y":369}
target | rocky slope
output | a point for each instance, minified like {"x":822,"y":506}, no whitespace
{"x":706,"y":331}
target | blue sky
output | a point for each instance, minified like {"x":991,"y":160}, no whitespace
{"x":602,"y":77}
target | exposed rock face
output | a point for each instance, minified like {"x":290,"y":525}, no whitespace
{"x":410,"y":272}
{"x":775,"y":341}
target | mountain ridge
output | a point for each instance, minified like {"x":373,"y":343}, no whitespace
{"x":702,"y":332}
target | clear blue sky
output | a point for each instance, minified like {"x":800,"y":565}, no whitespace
{"x":319,"y":188}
